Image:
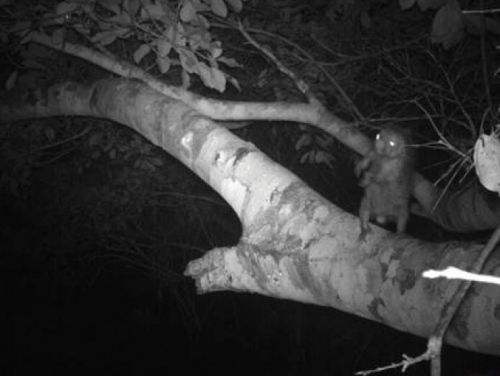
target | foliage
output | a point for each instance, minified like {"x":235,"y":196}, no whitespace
{"x":450,"y":22}
{"x":165,"y":34}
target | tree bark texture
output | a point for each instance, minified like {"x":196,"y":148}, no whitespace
{"x":295,"y":245}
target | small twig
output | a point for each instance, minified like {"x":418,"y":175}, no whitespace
{"x":455,"y":273}
{"x":404,"y":364}
{"x":301,"y":84}
{"x":66,"y":140}
{"x":484,"y":59}
{"x":481,"y":11}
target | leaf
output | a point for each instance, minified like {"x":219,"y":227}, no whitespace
{"x":122,"y":32}
{"x":11,"y":81}
{"x":219,"y":78}
{"x":164,"y":47}
{"x":200,"y":39}
{"x":203,"y":22}
{"x":163,"y":63}
{"x":237,"y":5}
{"x":104,"y":38}
{"x":215,"y":51}
{"x":142,"y":51}
{"x":132,"y":6}
{"x":186,"y":80}
{"x":219,"y":8}
{"x":324,"y":141}
{"x":83,"y":29}
{"x":212,"y":77}
{"x":448,"y":25}
{"x":230,"y":62}
{"x":234,"y":82}
{"x":307,"y":157}
{"x":65,"y":8}
{"x":487,"y":162}
{"x":188,"y":61}
{"x":26,"y":39}
{"x":122,"y":19}
{"x":324,"y":157}
{"x":154,"y":11}
{"x":179,"y":36}
{"x":111,"y":5}
{"x":406,"y":4}
{"x":188,"y":13}
{"x":304,"y":140}
{"x":431,"y":4}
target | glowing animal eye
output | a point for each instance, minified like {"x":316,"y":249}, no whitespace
{"x":392,"y":143}
{"x":378,"y":136}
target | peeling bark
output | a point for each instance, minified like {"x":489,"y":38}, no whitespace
{"x":296,"y":245}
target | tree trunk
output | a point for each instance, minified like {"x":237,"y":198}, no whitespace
{"x":295,"y":244}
